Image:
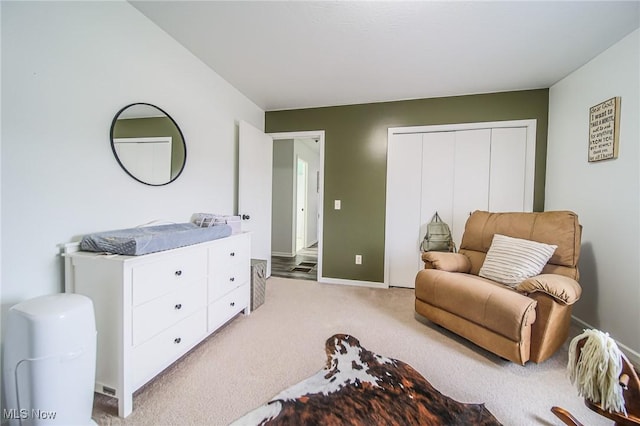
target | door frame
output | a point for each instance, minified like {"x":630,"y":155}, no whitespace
{"x":310,"y":134}
{"x":530,"y":162}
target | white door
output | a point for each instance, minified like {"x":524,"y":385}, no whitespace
{"x":508,"y":170}
{"x":255,"y":162}
{"x":438,"y":151}
{"x":147,"y":159}
{"x":301,"y":204}
{"x":404,"y":187}
{"x":471,"y":177}
{"x":453,"y":170}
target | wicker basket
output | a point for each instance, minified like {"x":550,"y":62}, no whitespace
{"x":258,"y":282}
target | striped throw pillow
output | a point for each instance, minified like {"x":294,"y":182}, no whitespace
{"x":512,"y":260}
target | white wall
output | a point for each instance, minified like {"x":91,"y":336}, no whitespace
{"x":605,"y":194}
{"x":68,"y":67}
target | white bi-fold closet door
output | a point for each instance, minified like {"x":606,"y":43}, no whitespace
{"x":452,"y":170}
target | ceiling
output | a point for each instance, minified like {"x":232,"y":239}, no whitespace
{"x":300,"y":54}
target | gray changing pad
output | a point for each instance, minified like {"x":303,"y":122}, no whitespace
{"x":149,"y":239}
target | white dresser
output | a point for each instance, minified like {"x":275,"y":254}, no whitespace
{"x":152,"y":309}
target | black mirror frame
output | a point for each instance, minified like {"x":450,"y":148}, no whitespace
{"x":115,"y":154}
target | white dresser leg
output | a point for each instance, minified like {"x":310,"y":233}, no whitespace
{"x":125,"y":405}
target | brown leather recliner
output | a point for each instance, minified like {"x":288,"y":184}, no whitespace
{"x":527,"y":322}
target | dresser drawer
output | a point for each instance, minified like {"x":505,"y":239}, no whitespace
{"x":161,"y":313}
{"x":227,"y":279}
{"x":156,"y":354}
{"x":160,"y":277}
{"x":224,"y":309}
{"x":227,"y":252}
{"x":229,"y":267}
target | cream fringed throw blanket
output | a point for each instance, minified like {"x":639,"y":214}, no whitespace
{"x":596,"y":371}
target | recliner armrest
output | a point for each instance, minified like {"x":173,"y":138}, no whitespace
{"x":445,"y":261}
{"x":561,"y":288}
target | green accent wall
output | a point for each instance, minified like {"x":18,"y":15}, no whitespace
{"x":355,"y":163}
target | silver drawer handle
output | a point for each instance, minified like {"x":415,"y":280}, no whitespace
{"x":177,"y":340}
{"x":178,"y":306}
{"x":178,"y":273}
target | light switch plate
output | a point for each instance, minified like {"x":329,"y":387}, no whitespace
{"x":337,"y":204}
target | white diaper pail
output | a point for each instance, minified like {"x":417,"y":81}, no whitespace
{"x":50,"y":361}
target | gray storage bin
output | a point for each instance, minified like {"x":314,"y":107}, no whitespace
{"x":258,"y":282}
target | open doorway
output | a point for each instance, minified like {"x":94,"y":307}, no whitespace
{"x":297,"y":205}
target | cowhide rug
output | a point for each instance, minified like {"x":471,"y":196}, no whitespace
{"x":359,"y":387}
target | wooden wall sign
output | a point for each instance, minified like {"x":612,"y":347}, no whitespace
{"x":604,"y":129}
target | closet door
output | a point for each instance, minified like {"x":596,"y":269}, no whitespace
{"x":438,"y":151}
{"x":454,"y":173}
{"x":404,"y":189}
{"x":508,"y":166}
{"x":471,"y":177}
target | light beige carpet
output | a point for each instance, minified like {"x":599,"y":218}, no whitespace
{"x":255,"y":357}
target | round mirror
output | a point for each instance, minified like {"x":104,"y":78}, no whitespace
{"x":148,"y":144}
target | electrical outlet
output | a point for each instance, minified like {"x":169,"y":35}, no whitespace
{"x":358,"y":259}
{"x":337,"y":204}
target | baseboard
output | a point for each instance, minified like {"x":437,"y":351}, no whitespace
{"x":633,"y":356}
{"x":282,"y":254}
{"x":341,"y":281}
